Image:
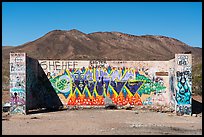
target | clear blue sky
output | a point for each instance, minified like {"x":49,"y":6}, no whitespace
{"x":26,"y":21}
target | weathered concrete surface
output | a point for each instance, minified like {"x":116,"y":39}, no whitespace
{"x":18,"y":82}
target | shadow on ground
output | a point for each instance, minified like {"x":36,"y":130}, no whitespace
{"x":43,"y":111}
{"x":196,"y":107}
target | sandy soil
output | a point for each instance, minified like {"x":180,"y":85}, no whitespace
{"x":101,"y":121}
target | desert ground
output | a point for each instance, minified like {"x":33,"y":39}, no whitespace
{"x":101,"y":121}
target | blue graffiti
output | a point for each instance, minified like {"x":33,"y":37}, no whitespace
{"x":183,"y":95}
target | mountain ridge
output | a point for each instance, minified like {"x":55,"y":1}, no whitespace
{"x":76,"y":45}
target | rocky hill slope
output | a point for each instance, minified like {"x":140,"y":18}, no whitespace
{"x":73,"y":44}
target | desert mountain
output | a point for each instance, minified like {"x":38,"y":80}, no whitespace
{"x":73,"y":44}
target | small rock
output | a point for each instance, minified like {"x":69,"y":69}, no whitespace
{"x":194,"y":115}
{"x":136,"y":112}
{"x":133,"y":126}
{"x":179,"y":114}
{"x":34,"y":118}
{"x":109,"y":103}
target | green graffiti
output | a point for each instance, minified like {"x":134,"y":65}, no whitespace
{"x":53,"y":81}
{"x":61,"y":84}
{"x":149,"y":86}
{"x":142,"y":78}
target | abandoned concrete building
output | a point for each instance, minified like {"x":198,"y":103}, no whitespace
{"x":61,"y":83}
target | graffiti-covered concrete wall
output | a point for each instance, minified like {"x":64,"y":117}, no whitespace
{"x":57,"y":83}
{"x":18,"y":82}
{"x":183,"y":87}
{"x":125,"y":82}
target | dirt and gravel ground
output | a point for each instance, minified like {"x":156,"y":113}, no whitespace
{"x":104,"y":121}
{"x":101,"y":121}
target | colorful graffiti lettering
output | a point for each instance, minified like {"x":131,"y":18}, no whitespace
{"x":89,"y":86}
